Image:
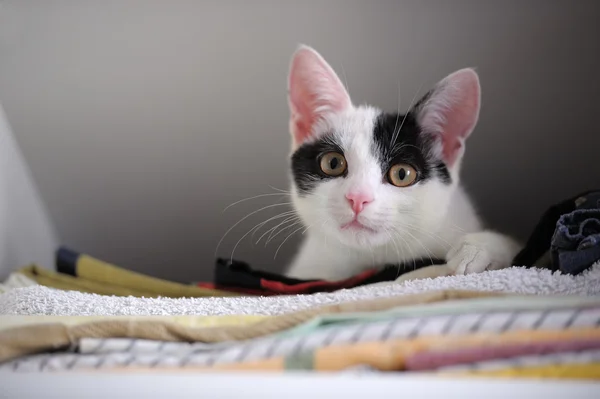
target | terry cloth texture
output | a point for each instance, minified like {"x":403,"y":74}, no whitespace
{"x":36,"y":335}
{"x":16,"y":280}
{"x":427,"y":337}
{"x":39,"y":300}
{"x":33,"y":337}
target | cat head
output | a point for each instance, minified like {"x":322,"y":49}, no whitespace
{"x":361,"y":175}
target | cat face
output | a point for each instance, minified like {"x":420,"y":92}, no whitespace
{"x":363,"y":176}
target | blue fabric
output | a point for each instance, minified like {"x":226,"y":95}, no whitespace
{"x":66,"y":261}
{"x":575,"y":244}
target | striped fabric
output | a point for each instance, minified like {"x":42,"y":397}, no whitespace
{"x":571,"y":357}
{"x":108,"y":353}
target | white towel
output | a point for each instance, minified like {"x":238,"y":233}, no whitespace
{"x":39,"y":300}
{"x":16,"y":280}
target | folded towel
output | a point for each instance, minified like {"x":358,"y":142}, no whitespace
{"x":40,"y":300}
{"x":80,"y":272}
{"x":29,"y":334}
{"x":455,"y":332}
{"x":16,"y":280}
{"x":397,"y":354}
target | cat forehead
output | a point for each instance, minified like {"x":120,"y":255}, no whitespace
{"x":353,"y":130}
{"x":358,"y":121}
{"x":369,"y":131}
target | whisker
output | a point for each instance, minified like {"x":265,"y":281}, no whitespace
{"x":397,"y":118}
{"x":398,"y":256}
{"x":280,"y":190}
{"x":300,"y":191}
{"x":432,"y":235}
{"x":419,"y":229}
{"x":346,"y":80}
{"x":409,"y":109}
{"x":255,"y":228}
{"x":273,"y":229}
{"x":282,"y":230}
{"x":286,"y":238}
{"x":251,"y":198}
{"x":428,"y":252}
{"x":415,"y":215}
{"x":283,"y":214}
{"x":406,"y":227}
{"x":403,"y":145}
{"x":244,"y":218}
{"x":412,"y":253}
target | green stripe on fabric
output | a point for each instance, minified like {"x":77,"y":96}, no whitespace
{"x":450,"y":307}
{"x":304,"y":361}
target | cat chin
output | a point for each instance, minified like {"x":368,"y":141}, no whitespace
{"x":361,"y":238}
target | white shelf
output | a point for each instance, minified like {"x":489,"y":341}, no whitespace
{"x":286,"y":386}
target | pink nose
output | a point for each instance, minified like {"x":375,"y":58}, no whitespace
{"x":358,"y":201}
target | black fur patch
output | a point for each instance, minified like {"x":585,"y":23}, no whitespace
{"x":305,"y":164}
{"x":443,"y":173}
{"x":409,"y":146}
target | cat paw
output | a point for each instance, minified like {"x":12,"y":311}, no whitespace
{"x":478,"y":252}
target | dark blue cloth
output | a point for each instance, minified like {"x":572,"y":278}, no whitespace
{"x":575,"y":245}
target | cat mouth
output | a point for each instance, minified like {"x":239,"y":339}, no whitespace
{"x":356,"y":225}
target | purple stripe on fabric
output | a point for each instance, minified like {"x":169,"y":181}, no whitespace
{"x":440,"y":358}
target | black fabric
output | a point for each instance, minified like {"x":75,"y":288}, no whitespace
{"x":66,"y":261}
{"x":575,"y":245}
{"x":540,"y":239}
{"x":237,"y":274}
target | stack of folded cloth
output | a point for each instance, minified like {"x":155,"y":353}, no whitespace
{"x":445,"y":333}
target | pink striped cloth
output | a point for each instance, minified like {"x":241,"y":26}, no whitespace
{"x":429,"y":360}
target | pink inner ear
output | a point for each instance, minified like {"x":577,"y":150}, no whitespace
{"x":452,"y":111}
{"x":314,"y":91}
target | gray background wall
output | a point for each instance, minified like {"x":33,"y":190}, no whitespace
{"x":26,"y":233}
{"x":142,"y":120}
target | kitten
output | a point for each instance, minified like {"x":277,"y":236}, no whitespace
{"x":376,"y":188}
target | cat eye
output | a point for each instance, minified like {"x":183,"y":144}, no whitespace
{"x":333,"y":164}
{"x":402,"y":175}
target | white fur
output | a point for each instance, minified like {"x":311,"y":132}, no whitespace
{"x":429,"y":219}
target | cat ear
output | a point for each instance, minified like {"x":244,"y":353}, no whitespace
{"x":314,"y":91}
{"x":450,"y":111}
